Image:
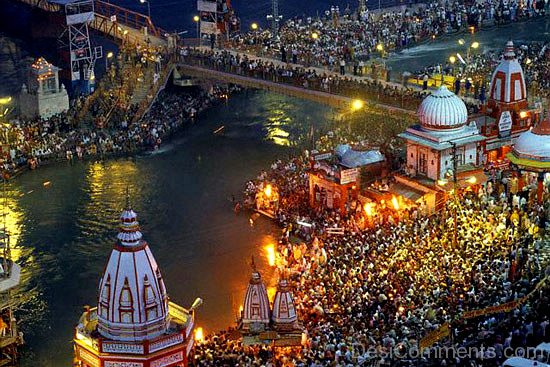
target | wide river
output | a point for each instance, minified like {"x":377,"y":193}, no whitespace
{"x":64,"y":231}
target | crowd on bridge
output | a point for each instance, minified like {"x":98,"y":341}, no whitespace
{"x":309,"y":78}
{"x":367,"y":296}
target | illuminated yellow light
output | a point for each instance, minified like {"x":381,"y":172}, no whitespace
{"x":5,"y":100}
{"x":315,"y":35}
{"x":110,"y":54}
{"x":452,"y":59}
{"x":254,"y":26}
{"x":461,"y":42}
{"x":196,"y":18}
{"x":271,"y":292}
{"x":395,"y":203}
{"x":441,"y":182}
{"x":270,"y":253}
{"x":268,"y":190}
{"x":472,"y":180}
{"x":357,"y":104}
{"x":369,"y":209}
{"x":433,"y":36}
{"x":380,"y":47}
{"x":523,"y":114}
{"x":528,"y":61}
{"x":199,"y":335}
{"x":475,"y":45}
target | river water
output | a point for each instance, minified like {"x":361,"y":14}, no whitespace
{"x":494,"y":38}
{"x":64,"y":231}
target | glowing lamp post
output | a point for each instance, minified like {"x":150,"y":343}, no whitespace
{"x":148,"y":7}
{"x":110,"y":55}
{"x":254,"y":26}
{"x":197,"y":20}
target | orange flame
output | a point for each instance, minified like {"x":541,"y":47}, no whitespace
{"x":270,"y":253}
{"x":199,"y":335}
{"x":395,"y":203}
{"x":268,"y":190}
{"x":369,"y":209}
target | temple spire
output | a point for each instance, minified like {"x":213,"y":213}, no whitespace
{"x":129,"y":234}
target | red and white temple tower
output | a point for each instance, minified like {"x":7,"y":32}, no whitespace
{"x":256,"y":310}
{"x":134,"y":323}
{"x":508,"y":113}
{"x":262,"y":323}
{"x":508,"y":89}
{"x":284,"y":315}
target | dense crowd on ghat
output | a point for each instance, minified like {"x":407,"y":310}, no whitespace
{"x":310,"y":78}
{"x":534,"y":58}
{"x":350,"y":39}
{"x":366,"y":297}
{"x":34,"y":142}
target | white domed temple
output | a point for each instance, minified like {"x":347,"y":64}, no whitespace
{"x":442,"y":147}
{"x":531,"y":156}
{"x":134,"y":322}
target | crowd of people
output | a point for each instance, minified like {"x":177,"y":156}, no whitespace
{"x":534,"y":58}
{"x":336,"y":39}
{"x":366,"y":297}
{"x":310,"y":78}
{"x":34,"y":142}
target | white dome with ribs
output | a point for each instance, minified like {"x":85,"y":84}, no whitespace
{"x":442,"y":110}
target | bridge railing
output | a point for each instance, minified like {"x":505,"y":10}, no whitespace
{"x":128,"y":18}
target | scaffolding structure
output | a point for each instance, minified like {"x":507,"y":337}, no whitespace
{"x":216,"y":19}
{"x":82,"y":55}
{"x":274,"y":18}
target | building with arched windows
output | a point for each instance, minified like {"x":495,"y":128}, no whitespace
{"x":134,"y":323}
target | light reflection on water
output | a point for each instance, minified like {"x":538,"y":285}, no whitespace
{"x":65,"y":231}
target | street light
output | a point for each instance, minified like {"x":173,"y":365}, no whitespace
{"x":197,"y":19}
{"x":452,"y":59}
{"x":475,"y":45}
{"x":109,"y":56}
{"x":315,"y":35}
{"x":357,"y":104}
{"x":254,"y":26}
{"x":148,"y":7}
{"x":461,"y":42}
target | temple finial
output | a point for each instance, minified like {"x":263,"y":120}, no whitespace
{"x":128,"y":207}
{"x":252,"y":263}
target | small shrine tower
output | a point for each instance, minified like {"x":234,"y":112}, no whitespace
{"x":256,"y":310}
{"x":284,"y":310}
{"x":43,"y":96}
{"x":134,"y":323}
